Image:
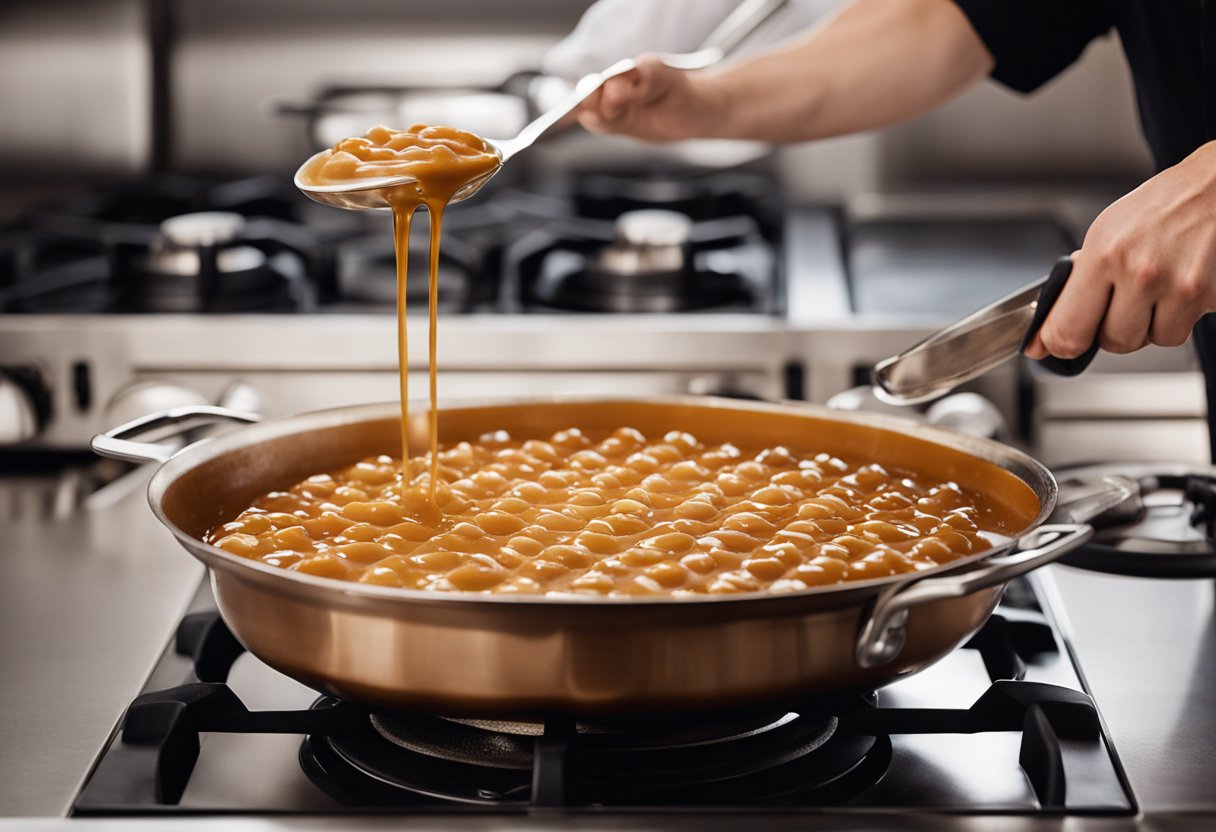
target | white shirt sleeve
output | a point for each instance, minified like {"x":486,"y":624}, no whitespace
{"x":614,"y":29}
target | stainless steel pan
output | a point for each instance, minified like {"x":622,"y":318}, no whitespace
{"x":472,"y":654}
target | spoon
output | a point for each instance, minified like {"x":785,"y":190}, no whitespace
{"x":372,"y":192}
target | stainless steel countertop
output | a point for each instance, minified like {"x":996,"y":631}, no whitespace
{"x":95,"y":597}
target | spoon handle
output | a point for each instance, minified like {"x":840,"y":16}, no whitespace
{"x":542,"y":123}
{"x":588,"y":84}
{"x":744,"y":20}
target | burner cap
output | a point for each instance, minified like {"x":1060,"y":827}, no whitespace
{"x":204,"y":228}
{"x":653,"y":227}
{"x":648,"y":243}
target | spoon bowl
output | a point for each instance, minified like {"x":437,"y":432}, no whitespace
{"x":373,"y":193}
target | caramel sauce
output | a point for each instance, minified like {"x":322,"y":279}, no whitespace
{"x":619,"y":514}
{"x":441,"y":160}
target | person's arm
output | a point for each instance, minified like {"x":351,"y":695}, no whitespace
{"x":1147,"y":269}
{"x":874,"y":63}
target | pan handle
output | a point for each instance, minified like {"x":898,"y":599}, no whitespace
{"x":1052,"y":287}
{"x":118,"y":443}
{"x":885,"y":629}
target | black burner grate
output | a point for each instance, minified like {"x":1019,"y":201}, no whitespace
{"x":829,"y":752}
{"x":563,"y":762}
{"x":91,"y":254}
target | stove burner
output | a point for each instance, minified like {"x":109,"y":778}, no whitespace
{"x":827,"y":752}
{"x":648,"y":242}
{"x":1173,"y":534}
{"x":174,"y":244}
{"x":396,"y":759}
{"x":213,"y":261}
{"x":701,"y":197}
{"x":647,"y":261}
{"x":164,"y":245}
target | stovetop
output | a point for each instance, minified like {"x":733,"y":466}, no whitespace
{"x":85,"y":621}
{"x":634,"y":243}
{"x":1001,"y":726}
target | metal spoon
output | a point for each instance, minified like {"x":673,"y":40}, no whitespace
{"x":372,"y":193}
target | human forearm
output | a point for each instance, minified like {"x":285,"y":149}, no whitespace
{"x":875,"y":63}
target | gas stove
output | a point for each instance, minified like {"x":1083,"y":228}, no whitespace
{"x":1004,"y":725}
{"x":1087,"y":701}
{"x":176,"y":290}
{"x":593,"y":244}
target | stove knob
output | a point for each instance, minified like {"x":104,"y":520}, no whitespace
{"x":25,"y":404}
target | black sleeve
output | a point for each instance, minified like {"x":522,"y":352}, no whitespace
{"x":1035,"y":40}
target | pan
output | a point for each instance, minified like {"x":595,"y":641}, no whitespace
{"x":469,"y":654}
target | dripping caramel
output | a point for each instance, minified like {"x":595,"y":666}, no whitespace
{"x":440,"y":160}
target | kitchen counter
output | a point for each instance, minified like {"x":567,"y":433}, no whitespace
{"x":87,"y":604}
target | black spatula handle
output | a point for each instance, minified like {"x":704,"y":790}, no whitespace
{"x":1047,"y":299}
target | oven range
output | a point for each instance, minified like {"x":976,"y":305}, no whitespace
{"x":1087,"y":703}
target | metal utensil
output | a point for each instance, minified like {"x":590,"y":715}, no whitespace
{"x":372,"y":193}
{"x":974,"y":345}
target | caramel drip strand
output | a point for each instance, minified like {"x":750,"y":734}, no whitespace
{"x":403,"y":212}
{"x":439,"y":162}
{"x":435,"y":207}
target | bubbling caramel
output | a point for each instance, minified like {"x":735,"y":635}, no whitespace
{"x":441,"y":161}
{"x":617,"y":515}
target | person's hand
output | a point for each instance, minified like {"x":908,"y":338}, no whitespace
{"x":1147,"y":269}
{"x":654,"y":103}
